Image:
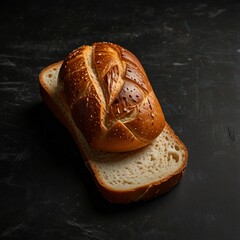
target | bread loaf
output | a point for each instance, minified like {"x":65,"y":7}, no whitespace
{"x":110,"y":98}
{"x":102,"y":96}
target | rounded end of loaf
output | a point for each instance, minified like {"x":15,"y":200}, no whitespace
{"x":110,"y":97}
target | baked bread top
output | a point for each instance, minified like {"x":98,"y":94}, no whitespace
{"x":110,"y":98}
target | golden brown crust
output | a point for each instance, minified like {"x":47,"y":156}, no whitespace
{"x":145,"y":192}
{"x":111,"y":98}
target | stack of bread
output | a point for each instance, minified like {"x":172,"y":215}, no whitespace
{"x":102,"y":94}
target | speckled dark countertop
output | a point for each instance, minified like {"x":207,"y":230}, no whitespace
{"x":191,"y":53}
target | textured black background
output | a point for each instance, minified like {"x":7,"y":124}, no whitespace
{"x":191,"y":53}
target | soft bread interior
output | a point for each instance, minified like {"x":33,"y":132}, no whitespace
{"x":153,"y":164}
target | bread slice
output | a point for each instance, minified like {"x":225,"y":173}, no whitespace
{"x":122,"y":177}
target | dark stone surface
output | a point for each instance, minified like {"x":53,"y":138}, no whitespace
{"x":191,"y":53}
